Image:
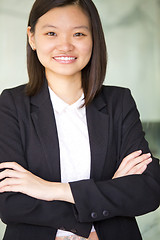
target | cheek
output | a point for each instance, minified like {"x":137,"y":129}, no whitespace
{"x":44,"y":52}
{"x":87,"y":52}
{"x":43,"y":46}
{"x":87,"y":49}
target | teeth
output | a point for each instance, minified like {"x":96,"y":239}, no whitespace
{"x":65,"y":58}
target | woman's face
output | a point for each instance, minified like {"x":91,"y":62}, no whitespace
{"x":63,"y":40}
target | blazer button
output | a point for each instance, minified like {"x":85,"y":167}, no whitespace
{"x":105,"y":213}
{"x":94,"y":215}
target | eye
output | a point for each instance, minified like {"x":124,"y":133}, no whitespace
{"x":51,"y":34}
{"x":79,"y":34}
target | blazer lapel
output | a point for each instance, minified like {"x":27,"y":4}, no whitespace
{"x":97,"y":120}
{"x":45,"y":125}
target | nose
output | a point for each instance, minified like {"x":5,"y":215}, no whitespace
{"x":65,"y":44}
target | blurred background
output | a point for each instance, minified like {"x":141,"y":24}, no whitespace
{"x":133,"y":39}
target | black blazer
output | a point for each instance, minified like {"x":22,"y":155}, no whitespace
{"x":28,"y":135}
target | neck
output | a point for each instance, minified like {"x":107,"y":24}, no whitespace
{"x":68,"y":88}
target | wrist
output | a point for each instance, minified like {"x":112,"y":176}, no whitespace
{"x":62,"y":192}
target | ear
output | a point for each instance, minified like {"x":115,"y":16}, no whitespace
{"x":31,"y":38}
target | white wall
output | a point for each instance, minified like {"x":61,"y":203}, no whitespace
{"x":133,"y":39}
{"x":13,"y":24}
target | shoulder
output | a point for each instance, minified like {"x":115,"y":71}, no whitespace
{"x":113,"y":90}
{"x":118,"y":100}
{"x":13,"y":97}
{"x":113,"y":99}
{"x":115,"y":94}
{"x":16,"y":91}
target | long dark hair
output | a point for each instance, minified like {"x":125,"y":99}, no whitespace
{"x":94,"y":73}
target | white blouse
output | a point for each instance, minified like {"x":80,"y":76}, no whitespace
{"x":75,"y":155}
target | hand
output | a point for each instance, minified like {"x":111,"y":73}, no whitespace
{"x":134,"y":163}
{"x":17,"y":179}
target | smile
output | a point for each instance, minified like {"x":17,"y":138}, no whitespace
{"x":64,"y":59}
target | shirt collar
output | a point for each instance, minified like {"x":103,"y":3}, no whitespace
{"x":59,"y":105}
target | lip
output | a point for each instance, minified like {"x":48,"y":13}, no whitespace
{"x":65,"y":59}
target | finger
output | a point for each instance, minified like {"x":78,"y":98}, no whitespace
{"x":9,"y":182}
{"x":138,"y":160}
{"x":129,"y":162}
{"x":142,"y":169}
{"x":10,"y":188}
{"x":130,"y":157}
{"x":138,"y":169}
{"x":133,"y":162}
{"x":12,"y":165}
{"x":8,"y":173}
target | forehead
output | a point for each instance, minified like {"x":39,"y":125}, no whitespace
{"x":67,"y":16}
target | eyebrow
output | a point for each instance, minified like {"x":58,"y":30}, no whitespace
{"x":77,"y":27}
{"x":47,"y":25}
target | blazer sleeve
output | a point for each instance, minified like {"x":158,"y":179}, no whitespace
{"x":19,"y":208}
{"x":125,"y":196}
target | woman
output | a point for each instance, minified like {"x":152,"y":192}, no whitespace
{"x":74,"y":161}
